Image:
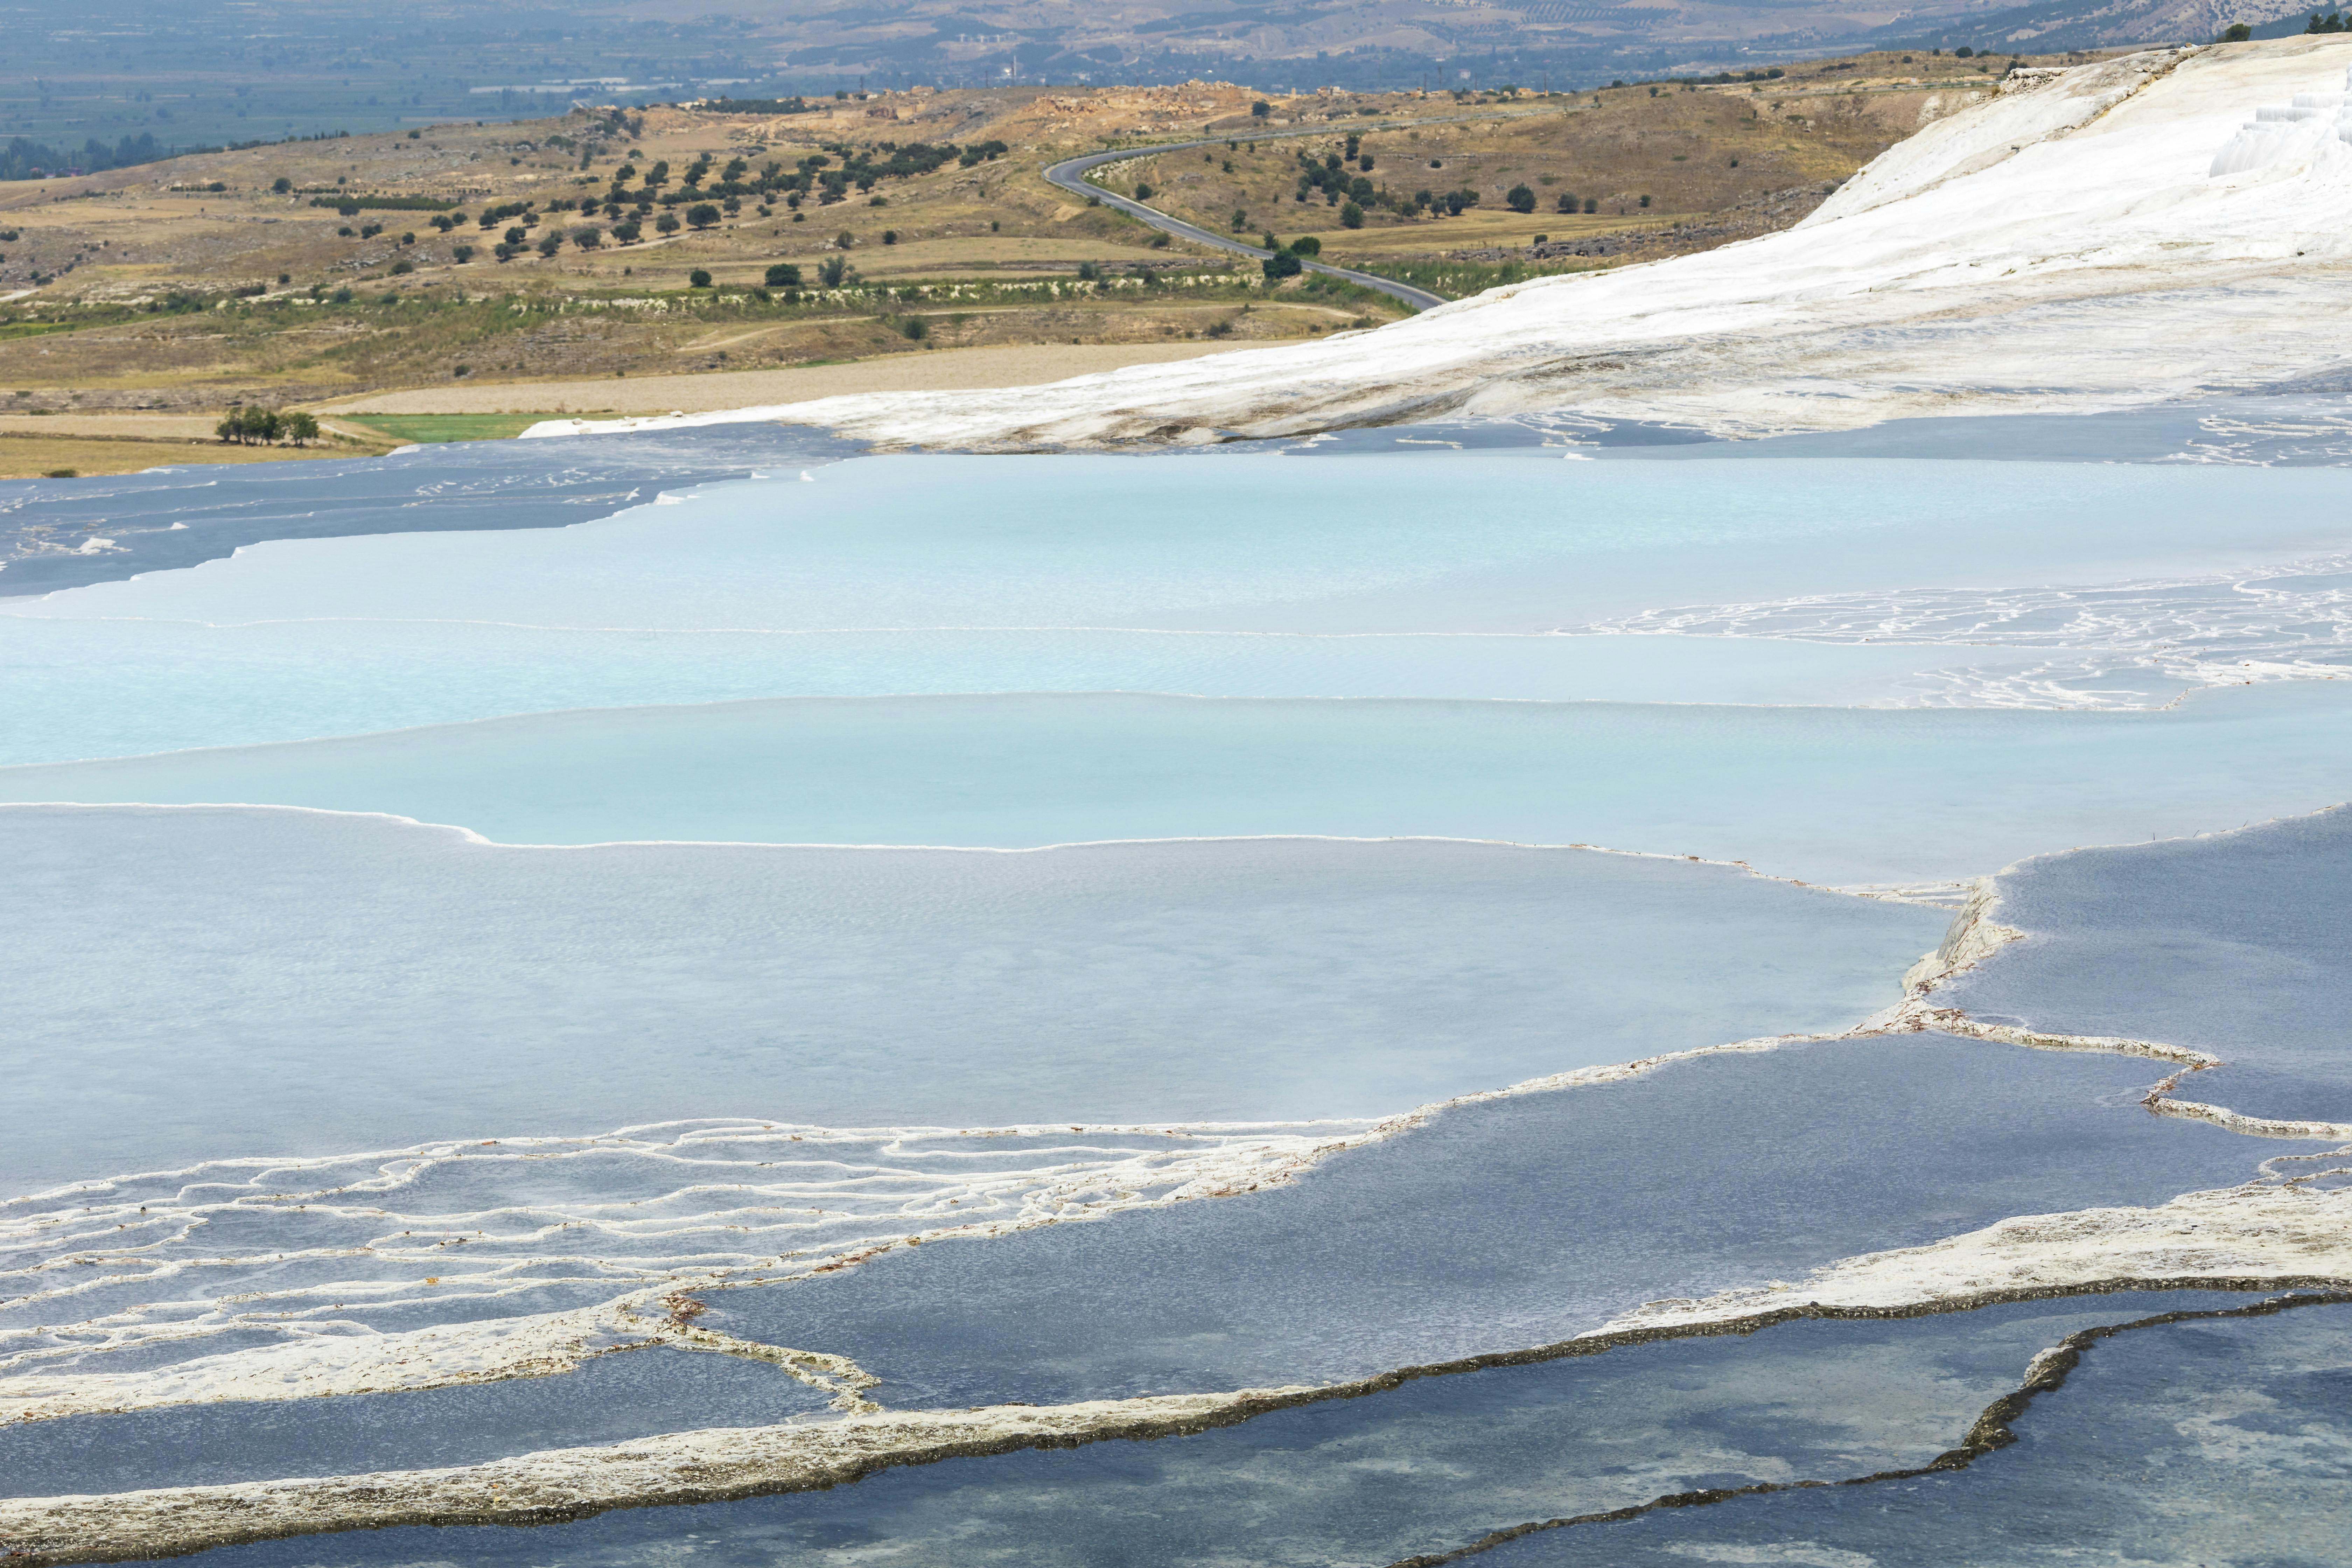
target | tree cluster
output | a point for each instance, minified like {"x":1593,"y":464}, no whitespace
{"x":263,"y":427}
{"x":1285,"y":260}
{"x":828,"y":176}
{"x":1453,"y":203}
{"x":756,"y":105}
{"x":1330,"y":175}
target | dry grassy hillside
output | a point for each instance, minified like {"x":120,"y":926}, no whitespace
{"x":317,"y":270}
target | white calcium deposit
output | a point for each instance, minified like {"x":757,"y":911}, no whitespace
{"x":2291,"y":1232}
{"x":2104,"y":237}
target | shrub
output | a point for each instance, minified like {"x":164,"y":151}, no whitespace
{"x":783,"y":274}
{"x":1305,"y":245}
{"x":915,"y":328}
{"x":403,"y":267}
{"x":1280,"y":265}
{"x":1260,"y":109}
{"x":1142,"y":191}
{"x":1089,"y":273}
{"x":889,"y":237}
{"x":698,"y":278}
{"x":1520,"y":199}
{"x":1568,"y":202}
{"x":282,"y":185}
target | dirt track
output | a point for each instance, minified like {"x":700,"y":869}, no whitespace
{"x":949,"y":370}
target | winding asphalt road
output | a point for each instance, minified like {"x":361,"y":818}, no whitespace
{"x":1070,"y":176}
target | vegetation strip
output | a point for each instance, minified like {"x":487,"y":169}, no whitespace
{"x":1992,"y":1430}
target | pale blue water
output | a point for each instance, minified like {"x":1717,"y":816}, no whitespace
{"x":1512,"y":542}
{"x":452,"y":989}
{"x":1826,"y":794}
{"x":1323,"y":686}
{"x":105,"y":688}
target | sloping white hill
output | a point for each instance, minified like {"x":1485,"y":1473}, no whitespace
{"x":2114,"y":235}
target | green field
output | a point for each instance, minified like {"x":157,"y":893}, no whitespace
{"x":429,"y":429}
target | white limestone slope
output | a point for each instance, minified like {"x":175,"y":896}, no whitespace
{"x":2095,"y":238}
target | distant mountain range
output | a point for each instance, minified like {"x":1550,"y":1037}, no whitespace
{"x":212,"y":73}
{"x":1397,"y":43}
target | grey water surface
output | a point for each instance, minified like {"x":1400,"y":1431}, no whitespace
{"x":1510,"y":1223}
{"x":1426,"y":1467}
{"x":2234,"y":944}
{"x":611,"y":1398}
{"x":2215,"y":1444}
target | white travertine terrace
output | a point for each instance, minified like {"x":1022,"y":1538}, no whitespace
{"x":2260,"y":1234}
{"x":2109,"y":237}
{"x":2249,"y":1238}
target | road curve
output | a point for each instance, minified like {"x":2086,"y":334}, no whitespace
{"x":1070,"y":176}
